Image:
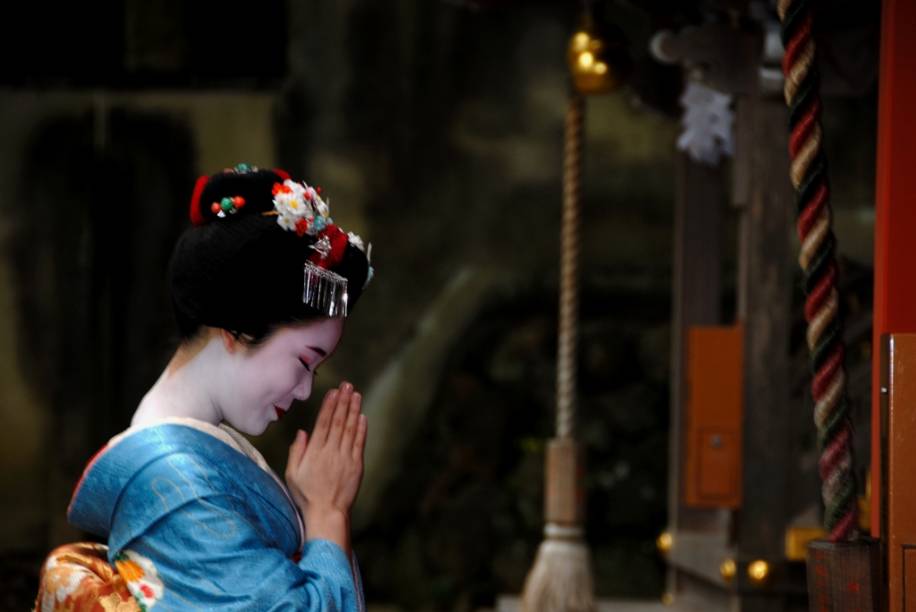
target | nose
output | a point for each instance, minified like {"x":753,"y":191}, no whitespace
{"x":303,"y":390}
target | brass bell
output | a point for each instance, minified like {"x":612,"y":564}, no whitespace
{"x":597,"y":61}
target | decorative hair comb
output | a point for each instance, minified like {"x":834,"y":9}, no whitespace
{"x":300,"y":209}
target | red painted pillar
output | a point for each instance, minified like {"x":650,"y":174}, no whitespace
{"x":895,"y":207}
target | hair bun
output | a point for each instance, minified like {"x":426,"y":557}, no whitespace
{"x":242,"y":189}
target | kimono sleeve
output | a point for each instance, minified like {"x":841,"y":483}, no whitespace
{"x":209,"y":553}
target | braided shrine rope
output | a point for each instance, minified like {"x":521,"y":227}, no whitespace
{"x":808,"y":172}
{"x":569,"y":269}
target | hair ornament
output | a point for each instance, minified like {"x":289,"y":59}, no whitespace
{"x":325,"y":291}
{"x":298,"y":207}
{"x":227,"y":206}
{"x":322,"y":246}
{"x":301,"y":209}
{"x":242,"y":169}
{"x":357,"y":242}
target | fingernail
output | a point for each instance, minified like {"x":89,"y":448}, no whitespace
{"x":347,"y":387}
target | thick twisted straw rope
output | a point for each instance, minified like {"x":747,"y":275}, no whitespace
{"x":808,"y":173}
{"x":569,"y":269}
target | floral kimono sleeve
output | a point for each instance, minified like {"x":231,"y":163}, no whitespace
{"x":210,"y":554}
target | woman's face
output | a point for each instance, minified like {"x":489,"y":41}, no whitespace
{"x":267,"y":377}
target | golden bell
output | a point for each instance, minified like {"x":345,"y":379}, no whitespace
{"x":728,"y":569}
{"x":664,"y":542}
{"x":758,"y":571}
{"x":589,"y":62}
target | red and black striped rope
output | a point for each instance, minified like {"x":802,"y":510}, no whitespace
{"x":817,"y":258}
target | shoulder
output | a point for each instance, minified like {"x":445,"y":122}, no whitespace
{"x":175,"y":478}
{"x":174,"y":459}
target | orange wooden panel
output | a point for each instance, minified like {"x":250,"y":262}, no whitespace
{"x":714,"y":409}
{"x":909,"y":579}
{"x":719,"y":458}
{"x":899,"y":471}
{"x":895,"y":193}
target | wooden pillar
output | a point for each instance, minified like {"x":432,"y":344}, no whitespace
{"x":696,"y":296}
{"x":895,"y":296}
{"x":895,"y":213}
{"x":704,"y":538}
{"x":764,"y":302}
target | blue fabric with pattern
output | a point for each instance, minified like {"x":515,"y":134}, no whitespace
{"x":221,"y":531}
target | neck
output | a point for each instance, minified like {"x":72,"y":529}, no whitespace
{"x":187,"y":388}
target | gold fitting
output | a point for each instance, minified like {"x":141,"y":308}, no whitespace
{"x":664,"y":542}
{"x":758,"y":571}
{"x":667,"y":599}
{"x":728,"y":569}
{"x":797,"y":540}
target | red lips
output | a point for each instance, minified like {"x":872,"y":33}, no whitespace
{"x":280,"y":412}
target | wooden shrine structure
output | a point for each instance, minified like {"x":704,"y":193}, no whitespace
{"x":738,"y":527}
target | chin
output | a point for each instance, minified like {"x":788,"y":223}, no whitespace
{"x":257,"y":431}
{"x":252,"y":429}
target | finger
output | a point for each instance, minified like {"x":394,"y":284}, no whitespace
{"x":353,"y":412}
{"x":323,"y":422}
{"x":359,"y":441}
{"x":296,"y":451}
{"x":303,"y":446}
{"x":339,"y":416}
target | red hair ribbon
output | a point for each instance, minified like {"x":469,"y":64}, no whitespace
{"x":338,"y":240}
{"x":197,"y":215}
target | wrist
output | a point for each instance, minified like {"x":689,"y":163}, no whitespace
{"x":328,"y":524}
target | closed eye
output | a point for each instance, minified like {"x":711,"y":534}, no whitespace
{"x":305,"y":365}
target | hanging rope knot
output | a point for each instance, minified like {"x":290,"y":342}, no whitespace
{"x":808,"y":173}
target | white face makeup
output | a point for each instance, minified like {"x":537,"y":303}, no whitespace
{"x":265,"y":379}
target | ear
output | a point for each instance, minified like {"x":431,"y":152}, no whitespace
{"x":229,"y":341}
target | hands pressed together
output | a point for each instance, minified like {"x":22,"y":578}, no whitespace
{"x":324,"y":471}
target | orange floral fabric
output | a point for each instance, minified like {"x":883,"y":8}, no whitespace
{"x":78,"y":578}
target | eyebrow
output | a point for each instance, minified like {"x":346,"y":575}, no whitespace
{"x":319,"y":350}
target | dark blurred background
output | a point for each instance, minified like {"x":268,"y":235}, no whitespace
{"x":435,"y":127}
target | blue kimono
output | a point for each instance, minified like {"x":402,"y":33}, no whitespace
{"x":195,"y":521}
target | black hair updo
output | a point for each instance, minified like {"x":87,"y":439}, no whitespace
{"x":238,"y":269}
